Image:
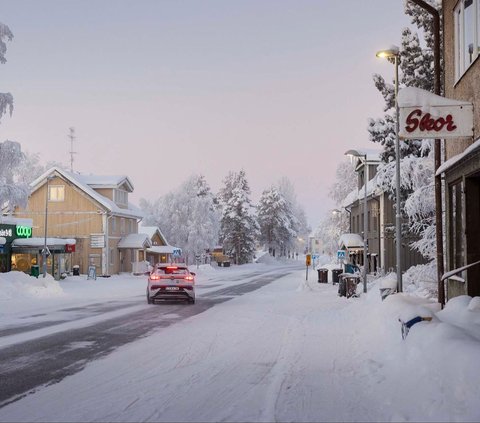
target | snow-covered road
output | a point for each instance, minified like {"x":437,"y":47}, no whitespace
{"x":289,"y":351}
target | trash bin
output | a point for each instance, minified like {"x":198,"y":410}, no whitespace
{"x":322,"y":275}
{"x":35,"y":270}
{"x":76,"y":270}
{"x":336,"y":275}
{"x":347,"y":286}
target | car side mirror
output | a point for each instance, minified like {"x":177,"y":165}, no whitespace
{"x":192,"y":273}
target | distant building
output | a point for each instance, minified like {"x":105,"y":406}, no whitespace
{"x":381,"y":252}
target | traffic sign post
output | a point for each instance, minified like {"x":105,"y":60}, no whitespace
{"x":308,"y":262}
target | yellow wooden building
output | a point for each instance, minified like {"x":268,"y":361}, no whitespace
{"x":94,"y":210}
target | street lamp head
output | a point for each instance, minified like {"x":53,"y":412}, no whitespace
{"x":336,"y":211}
{"x":355,"y":153}
{"x":389,"y":53}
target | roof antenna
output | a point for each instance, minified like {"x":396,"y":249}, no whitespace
{"x":72,"y":139}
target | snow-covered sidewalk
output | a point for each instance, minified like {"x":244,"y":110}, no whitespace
{"x":290,"y":351}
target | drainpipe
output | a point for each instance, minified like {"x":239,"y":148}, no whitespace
{"x":437,"y":150}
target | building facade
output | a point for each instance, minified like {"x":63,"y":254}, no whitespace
{"x":461,"y":169}
{"x":380,"y":231}
{"x":95,"y":212}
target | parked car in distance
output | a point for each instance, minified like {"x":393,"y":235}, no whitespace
{"x":171,"y":282}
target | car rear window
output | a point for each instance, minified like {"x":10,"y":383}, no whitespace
{"x":171,"y":271}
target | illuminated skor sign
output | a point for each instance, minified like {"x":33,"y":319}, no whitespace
{"x":423,"y":115}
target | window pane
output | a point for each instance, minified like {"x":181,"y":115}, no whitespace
{"x":468,"y":31}
{"x":478,"y":26}
{"x":56,"y":193}
{"x":458,"y":43}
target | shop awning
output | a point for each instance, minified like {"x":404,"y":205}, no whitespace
{"x":35,"y":244}
{"x":136,"y":241}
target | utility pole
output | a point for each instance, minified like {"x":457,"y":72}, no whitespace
{"x":72,"y":138}
{"x":437,"y":149}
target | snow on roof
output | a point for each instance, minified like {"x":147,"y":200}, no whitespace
{"x":151,"y":230}
{"x":359,"y":194}
{"x":76,"y":180}
{"x":135,"y":241}
{"x":350,"y":241}
{"x":373,"y":155}
{"x":9,"y":220}
{"x":98,"y":181}
{"x":416,"y":97}
{"x":455,"y":159}
{"x":40,"y":242}
{"x":164,"y":249}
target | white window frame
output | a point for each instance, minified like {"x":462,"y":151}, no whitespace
{"x":56,"y":193}
{"x":121,"y":197}
{"x":459,"y":37}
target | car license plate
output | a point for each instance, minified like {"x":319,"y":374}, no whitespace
{"x":172,"y":288}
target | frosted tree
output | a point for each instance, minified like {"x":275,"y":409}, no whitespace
{"x":287,"y":190}
{"x":416,"y":69}
{"x":337,"y":223}
{"x":187,"y":216}
{"x":346,"y":180}
{"x":12,"y":192}
{"x":239,"y":228}
{"x":30,"y":168}
{"x":6,"y":99}
{"x":277,"y":222}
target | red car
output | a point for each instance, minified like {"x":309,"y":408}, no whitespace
{"x":171,"y":282}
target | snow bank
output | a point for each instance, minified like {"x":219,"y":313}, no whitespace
{"x":421,"y":280}
{"x":19,"y":285}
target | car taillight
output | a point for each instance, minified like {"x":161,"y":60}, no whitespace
{"x":172,"y":267}
{"x":189,"y":278}
{"x":154,"y":277}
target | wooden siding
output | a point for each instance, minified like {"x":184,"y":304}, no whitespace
{"x":106,"y":192}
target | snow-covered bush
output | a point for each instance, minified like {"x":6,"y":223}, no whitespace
{"x":421,"y":280}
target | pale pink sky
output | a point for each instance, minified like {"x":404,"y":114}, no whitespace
{"x":161,"y":89}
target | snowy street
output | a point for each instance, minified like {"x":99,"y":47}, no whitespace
{"x":265,"y":348}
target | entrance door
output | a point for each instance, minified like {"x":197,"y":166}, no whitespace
{"x":472,"y":231}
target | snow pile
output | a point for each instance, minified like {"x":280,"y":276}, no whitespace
{"x":18,"y":285}
{"x":265,"y":258}
{"x":307,"y":355}
{"x":388,"y":282}
{"x":464,"y":312}
{"x":202,"y":269}
{"x":421,"y":280}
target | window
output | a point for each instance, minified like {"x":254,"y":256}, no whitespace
{"x":113,"y":226}
{"x":120,"y":197}
{"x":467,"y":35}
{"x":456,"y":244}
{"x":56,"y":193}
{"x":368,"y":220}
{"x":112,"y":257}
{"x":122,"y":226}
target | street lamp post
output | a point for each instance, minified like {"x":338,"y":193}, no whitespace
{"x":45,"y":248}
{"x":394,"y":53}
{"x":355,"y":153}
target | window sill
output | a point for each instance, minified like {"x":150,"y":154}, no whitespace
{"x":466,"y":71}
